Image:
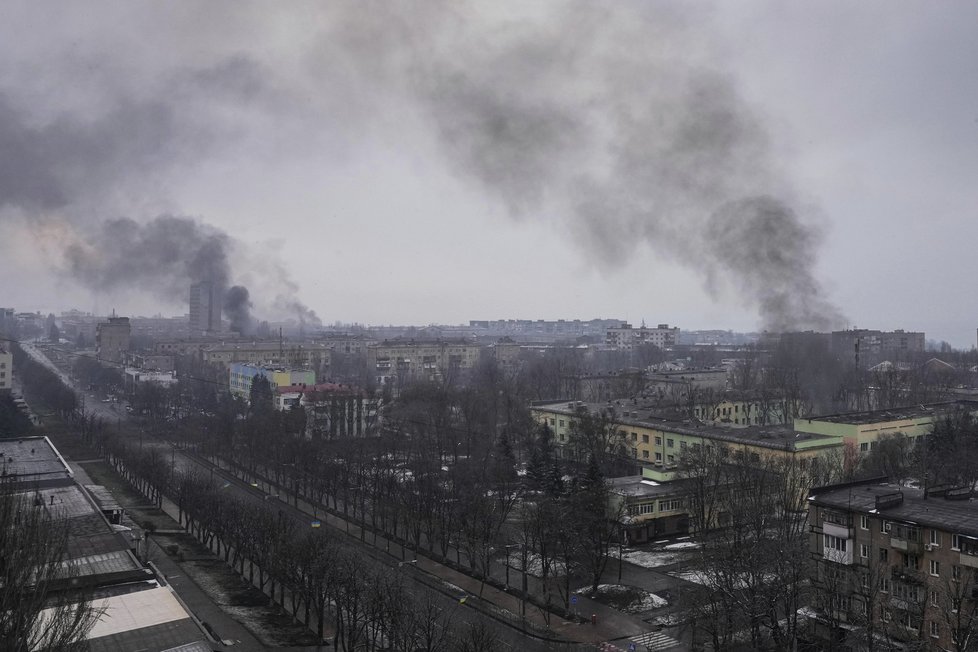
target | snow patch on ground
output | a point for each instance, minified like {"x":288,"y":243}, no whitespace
{"x":627,"y":599}
{"x":682,"y":545}
{"x":651,"y":558}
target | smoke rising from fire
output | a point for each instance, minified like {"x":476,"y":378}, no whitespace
{"x":620,"y":119}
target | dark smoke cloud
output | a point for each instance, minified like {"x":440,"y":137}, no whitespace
{"x":163,"y":256}
{"x":237,"y":308}
{"x":616,"y":120}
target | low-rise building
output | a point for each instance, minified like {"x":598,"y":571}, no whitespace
{"x":134,"y":377}
{"x":242,"y":375}
{"x":332,"y":410}
{"x":894,"y":563}
{"x":649,"y":509}
{"x":139,"y":610}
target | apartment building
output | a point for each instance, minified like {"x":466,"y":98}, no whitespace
{"x":6,"y":370}
{"x":894,"y":564}
{"x":286,"y":353}
{"x":112,"y":339}
{"x":403,"y":360}
{"x":625,"y":337}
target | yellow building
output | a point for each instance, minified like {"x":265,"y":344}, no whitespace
{"x":657,"y":444}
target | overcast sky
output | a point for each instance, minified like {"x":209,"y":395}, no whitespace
{"x":742,"y":165}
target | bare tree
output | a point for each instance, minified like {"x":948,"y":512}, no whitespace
{"x":36,"y":613}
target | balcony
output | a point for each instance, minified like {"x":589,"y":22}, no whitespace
{"x":838,"y":556}
{"x":837,"y":530}
{"x":968,"y":560}
{"x":906,"y":545}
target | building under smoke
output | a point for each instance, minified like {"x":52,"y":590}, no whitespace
{"x":206,"y":299}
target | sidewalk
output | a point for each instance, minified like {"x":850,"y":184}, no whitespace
{"x":201,"y":606}
{"x":612,"y":625}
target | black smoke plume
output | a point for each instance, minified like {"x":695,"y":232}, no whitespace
{"x":237,"y":308}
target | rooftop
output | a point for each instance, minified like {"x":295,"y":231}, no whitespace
{"x":636,"y":486}
{"x":954,"y":513}
{"x":32,"y":459}
{"x":897,"y":414}
{"x":779,"y":437}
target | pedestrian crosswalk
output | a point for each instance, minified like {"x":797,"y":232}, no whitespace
{"x":651,"y":641}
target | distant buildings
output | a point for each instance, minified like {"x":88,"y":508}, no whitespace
{"x":869,"y":346}
{"x":625,"y":338}
{"x":401,"y":360}
{"x":112,"y":339}
{"x":206,"y":301}
{"x":279,"y":353}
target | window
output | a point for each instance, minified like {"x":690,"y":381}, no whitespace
{"x":935,"y":629}
{"x":864,"y":577}
{"x":658,"y":457}
{"x":635,"y":436}
{"x":884,"y":554}
{"x":647,"y":508}
{"x":885,"y":527}
{"x":956,"y":573}
{"x":935,"y":537}
{"x":935,"y":599}
{"x":835,"y":543}
{"x":670,"y":443}
{"x":634,"y":452}
{"x":863,"y":550}
{"x":863,"y":447}
{"x":884,"y":614}
{"x":955,"y":542}
{"x":864,"y":522}
{"x":885,"y":584}
{"x":912,"y":562}
{"x":561,"y":423}
{"x":658,"y":441}
{"x":935,"y":568}
{"x":645,"y":439}
{"x":645,"y":455}
{"x":552,"y":421}
{"x":670,"y":505}
{"x":682,"y":445}
{"x":671,"y":459}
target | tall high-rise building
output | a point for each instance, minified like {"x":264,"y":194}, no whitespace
{"x":206,"y":299}
{"x":112,"y":339}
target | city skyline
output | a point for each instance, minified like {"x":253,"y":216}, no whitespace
{"x":337,"y":186}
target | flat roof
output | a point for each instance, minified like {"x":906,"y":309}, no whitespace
{"x":895,"y":414}
{"x":32,"y":459}
{"x":636,"y":486}
{"x":779,"y":437}
{"x":958,"y":516}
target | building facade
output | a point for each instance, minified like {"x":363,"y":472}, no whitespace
{"x":403,"y":360}
{"x":6,"y":370}
{"x":284,"y":353}
{"x":242,"y":375}
{"x":332,"y":410}
{"x":894,"y":564}
{"x":626,"y":338}
{"x":206,"y":301}
{"x":112,"y":339}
